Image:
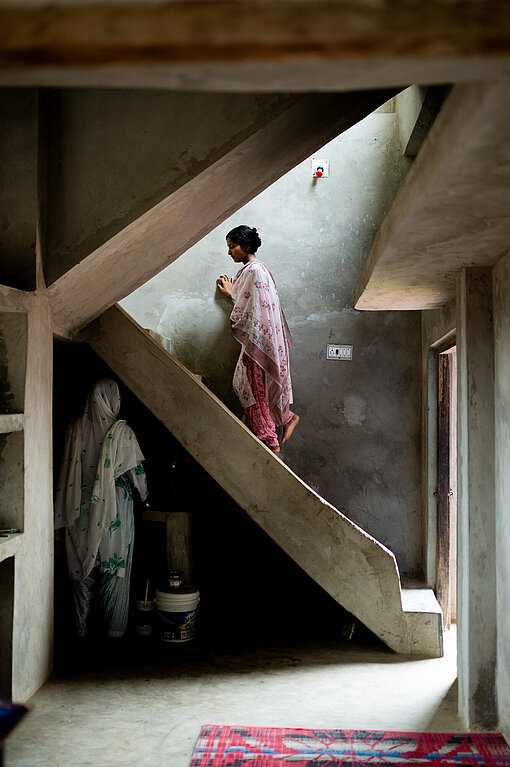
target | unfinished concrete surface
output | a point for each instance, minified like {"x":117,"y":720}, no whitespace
{"x":145,"y":145}
{"x":145,"y":705}
{"x":167,"y":229}
{"x":443,"y":219}
{"x":453,"y":42}
{"x":28,"y":635}
{"x":358,"y":442}
{"x":476,"y":489}
{"x":351,"y":566}
{"x":18,"y":192}
{"x":501,"y":292}
{"x":291,"y":45}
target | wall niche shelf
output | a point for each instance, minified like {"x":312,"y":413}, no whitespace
{"x":11,"y":422}
{"x":13,"y":361}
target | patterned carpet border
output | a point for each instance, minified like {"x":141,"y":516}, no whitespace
{"x":235,"y":746}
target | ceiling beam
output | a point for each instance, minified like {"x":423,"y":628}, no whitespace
{"x":255,"y":43}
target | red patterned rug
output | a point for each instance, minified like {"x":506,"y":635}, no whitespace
{"x":224,"y":746}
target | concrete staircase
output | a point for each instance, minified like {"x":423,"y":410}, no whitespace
{"x":355,"y":569}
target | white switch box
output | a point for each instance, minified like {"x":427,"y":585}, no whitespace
{"x":339,"y":352}
{"x":321,"y":165}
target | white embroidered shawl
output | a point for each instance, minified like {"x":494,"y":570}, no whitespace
{"x":92,"y":441}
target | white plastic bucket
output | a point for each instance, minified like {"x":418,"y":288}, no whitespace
{"x":144,"y":617}
{"x":176,"y":614}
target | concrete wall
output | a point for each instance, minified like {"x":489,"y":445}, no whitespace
{"x":358,"y":443}
{"x":18,"y":187}
{"x":502,"y":419}
{"x":113,"y":154}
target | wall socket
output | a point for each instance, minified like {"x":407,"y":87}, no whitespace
{"x":339,"y":352}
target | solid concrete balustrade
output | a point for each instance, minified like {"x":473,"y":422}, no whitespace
{"x":355,"y":569}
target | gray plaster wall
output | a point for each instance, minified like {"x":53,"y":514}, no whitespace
{"x":358,"y":442}
{"x":502,"y":420}
{"x":114,"y":154}
{"x":18,"y":186}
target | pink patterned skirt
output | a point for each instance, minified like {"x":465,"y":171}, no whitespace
{"x":258,"y":417}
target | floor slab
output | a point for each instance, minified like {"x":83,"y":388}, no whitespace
{"x":144,"y":704}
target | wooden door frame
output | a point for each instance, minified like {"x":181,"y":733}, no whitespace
{"x":431,"y":458}
{"x":446,"y":550}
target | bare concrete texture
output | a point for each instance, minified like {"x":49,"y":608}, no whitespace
{"x":13,"y":361}
{"x":11,"y":480}
{"x":358,"y":442}
{"x":300,"y":75}
{"x":172,"y":226}
{"x":417,"y":108}
{"x":18,"y":190}
{"x":114,"y":154}
{"x":32,"y":624}
{"x":291,"y":44}
{"x":356,"y":570}
{"x":444,"y":218}
{"x":477,"y":583}
{"x":502,"y":483}
{"x":437,"y":327}
{"x":145,"y":705}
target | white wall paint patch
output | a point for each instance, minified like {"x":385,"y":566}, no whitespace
{"x":354,"y":409}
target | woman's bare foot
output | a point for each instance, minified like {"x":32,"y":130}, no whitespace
{"x":275,"y":448}
{"x":289,"y":428}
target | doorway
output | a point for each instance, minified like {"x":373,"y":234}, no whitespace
{"x":446,"y":490}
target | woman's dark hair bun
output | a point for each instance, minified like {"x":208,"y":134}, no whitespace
{"x":246,"y":237}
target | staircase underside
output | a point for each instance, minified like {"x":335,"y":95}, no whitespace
{"x":452,"y":209}
{"x":355,"y":569}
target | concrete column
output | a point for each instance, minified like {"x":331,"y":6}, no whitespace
{"x":476,"y":499}
{"x":502,"y":411}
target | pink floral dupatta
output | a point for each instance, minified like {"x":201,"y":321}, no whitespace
{"x":258,"y":323}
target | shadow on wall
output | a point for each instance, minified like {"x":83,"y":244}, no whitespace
{"x":251,"y":591}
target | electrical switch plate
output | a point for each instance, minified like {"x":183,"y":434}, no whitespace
{"x":339,"y":352}
{"x":318,"y":162}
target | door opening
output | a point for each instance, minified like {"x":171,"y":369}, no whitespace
{"x":446,"y":492}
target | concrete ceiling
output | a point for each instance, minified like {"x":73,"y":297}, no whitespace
{"x":252,"y":44}
{"x":453,"y":209}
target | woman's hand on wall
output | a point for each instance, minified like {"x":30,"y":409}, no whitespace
{"x":224,"y":283}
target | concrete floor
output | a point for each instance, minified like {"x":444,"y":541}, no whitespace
{"x":144,"y":704}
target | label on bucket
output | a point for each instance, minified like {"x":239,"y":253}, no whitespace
{"x":175,"y":627}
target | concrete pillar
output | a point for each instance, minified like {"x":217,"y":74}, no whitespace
{"x":502,"y":412}
{"x":476,"y":499}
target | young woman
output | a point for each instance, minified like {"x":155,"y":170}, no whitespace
{"x":262,"y":375}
